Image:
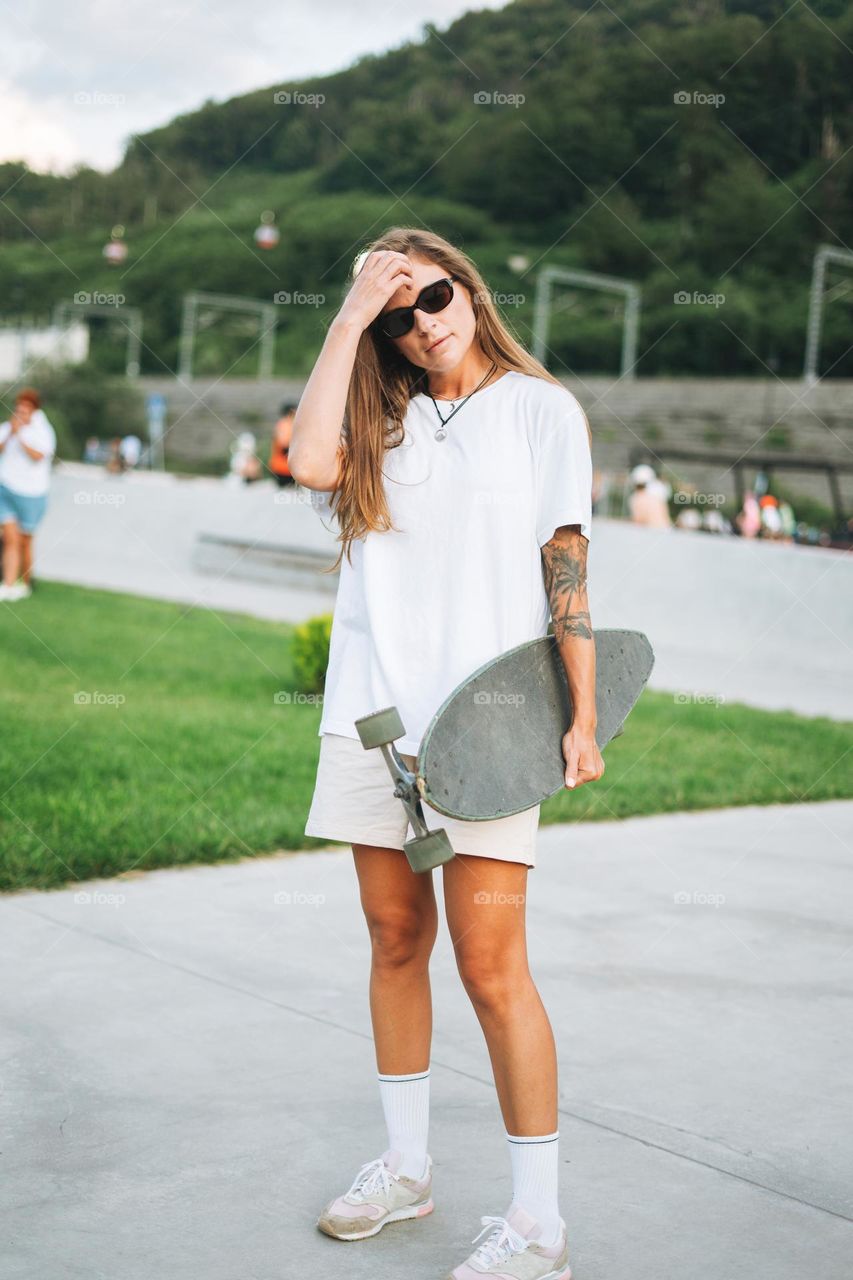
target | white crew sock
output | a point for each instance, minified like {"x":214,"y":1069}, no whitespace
{"x":405,"y":1101}
{"x":535,"y":1168}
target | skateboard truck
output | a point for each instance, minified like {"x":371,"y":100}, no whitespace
{"x":427,"y":849}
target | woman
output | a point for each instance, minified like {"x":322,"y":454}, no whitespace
{"x":461,"y":485}
{"x":27,"y":446}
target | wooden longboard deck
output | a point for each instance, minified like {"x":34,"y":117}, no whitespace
{"x":494,"y":747}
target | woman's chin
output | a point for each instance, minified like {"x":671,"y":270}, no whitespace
{"x":444,"y":357}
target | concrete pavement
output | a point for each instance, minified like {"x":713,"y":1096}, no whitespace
{"x":188,"y":1070}
{"x":138,"y":533}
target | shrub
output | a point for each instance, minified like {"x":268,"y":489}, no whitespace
{"x":310,"y":652}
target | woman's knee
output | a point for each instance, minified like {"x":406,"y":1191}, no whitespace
{"x":400,"y":936}
{"x":491,"y":977}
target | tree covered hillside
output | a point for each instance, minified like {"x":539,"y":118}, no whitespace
{"x":696,"y":147}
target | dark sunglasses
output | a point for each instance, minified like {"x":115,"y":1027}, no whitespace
{"x":435,"y":297}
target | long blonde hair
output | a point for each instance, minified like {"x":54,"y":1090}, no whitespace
{"x":383,"y":382}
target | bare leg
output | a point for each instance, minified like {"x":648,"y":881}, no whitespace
{"x":485,"y":900}
{"x":26,"y":563}
{"x":402,"y":917}
{"x":11,"y":552}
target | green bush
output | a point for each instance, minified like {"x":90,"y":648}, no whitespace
{"x":310,"y":652}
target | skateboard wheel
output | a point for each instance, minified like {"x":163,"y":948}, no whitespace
{"x":380,"y":728}
{"x":426,"y":852}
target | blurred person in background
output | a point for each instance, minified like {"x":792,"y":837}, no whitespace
{"x":245,"y":464}
{"x":280,"y":448}
{"x":688,"y":518}
{"x":114,"y":464}
{"x":131,"y":451}
{"x":647,"y":503}
{"x":27,"y":447}
{"x":788,"y":521}
{"x":713,"y":521}
{"x":771,"y":520}
{"x":748,"y":519}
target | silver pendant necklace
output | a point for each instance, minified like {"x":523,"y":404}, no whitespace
{"x":441,"y":431}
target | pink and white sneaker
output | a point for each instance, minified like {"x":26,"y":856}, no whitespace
{"x":510,"y":1252}
{"x":378,"y":1195}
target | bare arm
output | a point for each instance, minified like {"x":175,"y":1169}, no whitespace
{"x":15,"y":427}
{"x":314,"y":447}
{"x":316,"y":436}
{"x":564,"y":572}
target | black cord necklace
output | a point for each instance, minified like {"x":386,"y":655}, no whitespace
{"x":441,"y":433}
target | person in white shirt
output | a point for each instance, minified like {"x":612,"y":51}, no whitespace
{"x":27,"y":447}
{"x":131,"y":451}
{"x":461,"y":483}
{"x":647,"y":504}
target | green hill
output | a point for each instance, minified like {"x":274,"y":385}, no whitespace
{"x":599,"y":166}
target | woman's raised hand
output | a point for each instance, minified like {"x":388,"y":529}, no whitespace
{"x":383,"y":272}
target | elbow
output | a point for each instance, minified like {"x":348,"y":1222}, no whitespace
{"x":310,"y":477}
{"x":300,"y":467}
{"x":312,"y":474}
{"x":302,"y":471}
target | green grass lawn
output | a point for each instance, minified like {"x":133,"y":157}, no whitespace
{"x":201,"y":763}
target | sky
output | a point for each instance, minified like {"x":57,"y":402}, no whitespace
{"x":79,"y":77}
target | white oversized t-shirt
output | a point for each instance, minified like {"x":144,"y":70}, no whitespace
{"x":18,"y":471}
{"x":459,"y":578}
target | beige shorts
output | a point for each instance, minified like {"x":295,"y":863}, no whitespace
{"x":354,"y":802}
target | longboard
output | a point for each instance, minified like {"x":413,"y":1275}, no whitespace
{"x":494,"y":746}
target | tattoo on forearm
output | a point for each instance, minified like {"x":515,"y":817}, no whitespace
{"x":564,"y":570}
{"x":573,"y":624}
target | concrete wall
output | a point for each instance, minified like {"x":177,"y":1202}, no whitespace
{"x":734,"y":416}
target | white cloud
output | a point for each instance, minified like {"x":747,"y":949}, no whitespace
{"x":31,"y":130}
{"x":144,"y":62}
